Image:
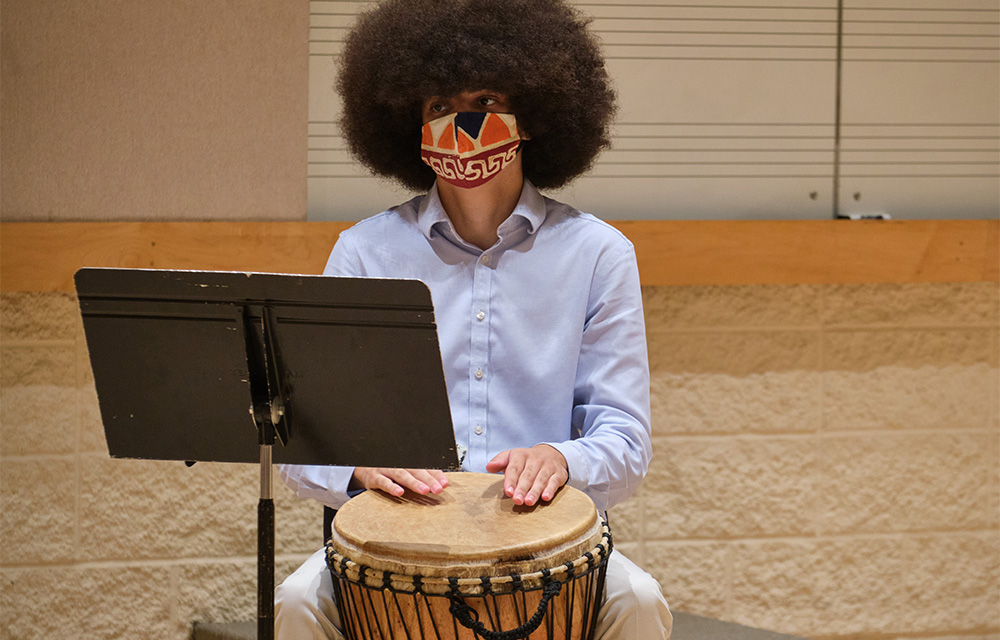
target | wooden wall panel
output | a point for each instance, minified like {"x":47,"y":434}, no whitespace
{"x":44,"y":256}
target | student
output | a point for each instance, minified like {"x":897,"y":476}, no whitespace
{"x":478,"y":104}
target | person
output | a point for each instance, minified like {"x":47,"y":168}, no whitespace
{"x":479,"y":104}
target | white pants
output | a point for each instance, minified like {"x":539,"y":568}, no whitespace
{"x":634,"y":609}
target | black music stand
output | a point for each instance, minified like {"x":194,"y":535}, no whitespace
{"x":341,"y":371}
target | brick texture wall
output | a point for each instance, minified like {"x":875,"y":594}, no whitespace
{"x":826,"y":463}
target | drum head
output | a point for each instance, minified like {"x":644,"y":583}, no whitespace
{"x":470,"y":530}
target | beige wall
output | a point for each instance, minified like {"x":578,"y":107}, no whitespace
{"x":826,"y":464}
{"x":733,"y":110}
{"x":122,"y":110}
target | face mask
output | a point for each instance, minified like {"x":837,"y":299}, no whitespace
{"x":467,"y":149}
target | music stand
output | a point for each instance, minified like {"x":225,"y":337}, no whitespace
{"x":340,"y":371}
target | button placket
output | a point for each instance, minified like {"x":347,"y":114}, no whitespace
{"x":479,"y":362}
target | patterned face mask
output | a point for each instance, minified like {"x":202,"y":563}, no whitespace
{"x":467,"y":149}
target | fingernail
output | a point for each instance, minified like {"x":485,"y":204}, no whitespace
{"x":530,"y":499}
{"x":509,"y":491}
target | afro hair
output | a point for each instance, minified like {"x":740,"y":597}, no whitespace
{"x":539,"y":53}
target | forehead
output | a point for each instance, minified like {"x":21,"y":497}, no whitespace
{"x":466,"y":94}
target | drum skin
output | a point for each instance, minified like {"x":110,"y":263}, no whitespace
{"x":399,"y":563}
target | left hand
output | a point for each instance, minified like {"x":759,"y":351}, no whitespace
{"x":531,"y":474}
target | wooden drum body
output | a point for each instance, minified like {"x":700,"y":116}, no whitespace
{"x":468,"y":564}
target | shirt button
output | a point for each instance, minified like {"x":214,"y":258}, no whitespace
{"x":479,"y":430}
{"x":485,"y":259}
{"x":480,"y":315}
{"x":479,"y":374}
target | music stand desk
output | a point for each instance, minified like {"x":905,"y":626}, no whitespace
{"x":219,"y":366}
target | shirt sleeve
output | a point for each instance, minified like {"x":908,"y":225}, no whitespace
{"x":327,"y":484}
{"x":612,"y":447}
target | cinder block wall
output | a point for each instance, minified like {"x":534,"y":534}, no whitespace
{"x":827,"y":463}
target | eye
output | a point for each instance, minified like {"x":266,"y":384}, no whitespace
{"x":435,"y":106}
{"x":487,"y":101}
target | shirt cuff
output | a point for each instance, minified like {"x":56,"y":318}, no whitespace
{"x":576,"y":465}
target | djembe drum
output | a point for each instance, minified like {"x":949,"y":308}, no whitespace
{"x":468,"y":564}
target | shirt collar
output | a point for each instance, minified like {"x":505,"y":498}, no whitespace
{"x":431,"y":212}
{"x":530,"y":207}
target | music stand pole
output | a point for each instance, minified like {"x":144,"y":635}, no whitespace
{"x":265,"y":542}
{"x":269,"y":411}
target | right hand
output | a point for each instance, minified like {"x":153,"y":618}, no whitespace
{"x":395,"y":481}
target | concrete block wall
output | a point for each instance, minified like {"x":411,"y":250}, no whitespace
{"x":826,"y":463}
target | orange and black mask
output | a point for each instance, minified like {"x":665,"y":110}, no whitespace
{"x":467,"y":149}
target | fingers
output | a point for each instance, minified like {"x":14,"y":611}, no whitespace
{"x":498,"y":463}
{"x":523,"y":493}
{"x":396,"y":481}
{"x":530,"y":476}
{"x":440,"y":478}
{"x":552,"y":486}
{"x":520,"y":468}
{"x":533,"y":475}
{"x":380,"y":479}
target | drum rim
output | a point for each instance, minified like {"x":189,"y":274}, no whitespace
{"x":520,"y":553}
{"x":345,"y":569}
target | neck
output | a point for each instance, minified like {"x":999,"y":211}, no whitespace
{"x":477,"y":213}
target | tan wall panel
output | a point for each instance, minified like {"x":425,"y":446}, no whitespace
{"x":117,"y":110}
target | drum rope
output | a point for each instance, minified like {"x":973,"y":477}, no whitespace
{"x":469,"y":618}
{"x":370,"y":577}
{"x":568,"y":610}
{"x":419,"y":598}
{"x":399,"y":610}
{"x":368,"y":609}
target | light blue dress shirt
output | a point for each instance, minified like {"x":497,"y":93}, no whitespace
{"x":542,"y":337}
